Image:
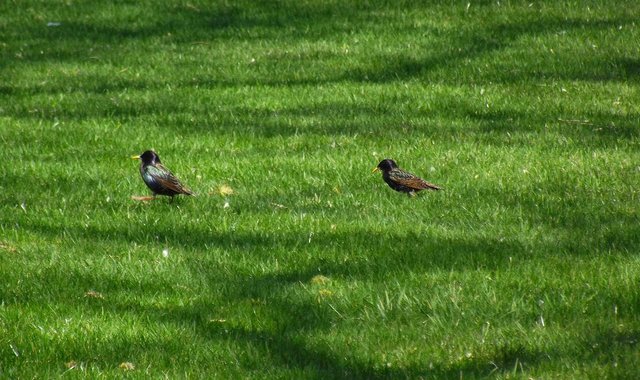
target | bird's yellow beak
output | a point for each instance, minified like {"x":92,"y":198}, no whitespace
{"x":135,"y":157}
{"x":376,"y":169}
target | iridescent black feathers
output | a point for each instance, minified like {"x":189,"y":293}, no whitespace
{"x":400,"y":180}
{"x":158,"y":178}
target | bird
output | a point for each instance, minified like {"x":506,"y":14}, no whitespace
{"x":400,"y":180}
{"x":158,"y":178}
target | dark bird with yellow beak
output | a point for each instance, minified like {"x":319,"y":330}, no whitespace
{"x":400,"y":180}
{"x":158,"y":178}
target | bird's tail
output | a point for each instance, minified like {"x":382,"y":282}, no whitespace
{"x":431,"y":186}
{"x":187,"y":191}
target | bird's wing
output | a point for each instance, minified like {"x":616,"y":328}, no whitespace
{"x":166,"y":179}
{"x":411,"y":181}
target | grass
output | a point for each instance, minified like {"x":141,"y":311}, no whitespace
{"x":526,"y":266}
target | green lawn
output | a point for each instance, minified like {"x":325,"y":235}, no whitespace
{"x":526,"y":266}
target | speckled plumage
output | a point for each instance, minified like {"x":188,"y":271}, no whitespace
{"x":400,"y":180}
{"x":158,"y":178}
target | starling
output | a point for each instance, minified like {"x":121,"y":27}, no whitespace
{"x":157,"y":177}
{"x":399,"y":180}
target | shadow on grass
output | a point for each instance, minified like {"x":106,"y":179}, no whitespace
{"x":377,"y":118}
{"x":274,"y":333}
{"x":114,"y":40}
{"x":188,"y":24}
{"x":309,"y":21}
{"x":279,"y":333}
{"x":357,"y":254}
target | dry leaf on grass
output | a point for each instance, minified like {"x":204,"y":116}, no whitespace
{"x":127,"y":366}
{"x":225,"y":190}
{"x":319,"y":279}
{"x":8,"y":247}
{"x":141,"y":198}
{"x":93,"y":294}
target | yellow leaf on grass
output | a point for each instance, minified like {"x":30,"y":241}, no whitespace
{"x":127,"y":366}
{"x":225,"y":190}
{"x":319,"y":280}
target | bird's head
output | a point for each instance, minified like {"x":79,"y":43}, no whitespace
{"x":148,"y":158}
{"x":385,"y":165}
